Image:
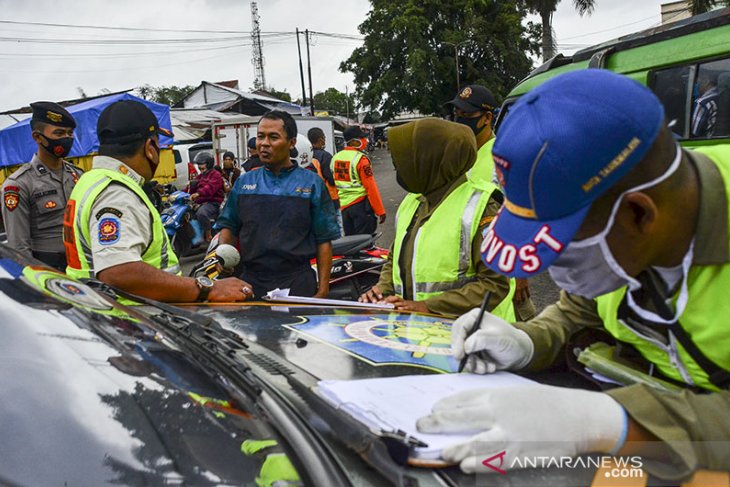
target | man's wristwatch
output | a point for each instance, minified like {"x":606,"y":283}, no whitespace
{"x":205,"y":284}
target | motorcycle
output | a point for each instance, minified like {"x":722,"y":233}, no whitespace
{"x":356,"y":265}
{"x":178,"y":219}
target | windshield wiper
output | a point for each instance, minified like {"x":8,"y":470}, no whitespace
{"x":379,"y":451}
{"x":218,"y":349}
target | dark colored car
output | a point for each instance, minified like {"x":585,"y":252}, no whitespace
{"x":97,"y":393}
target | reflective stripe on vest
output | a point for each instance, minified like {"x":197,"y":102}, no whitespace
{"x":443,"y":261}
{"x":77,"y":239}
{"x":347,"y":180}
{"x":703,"y":318}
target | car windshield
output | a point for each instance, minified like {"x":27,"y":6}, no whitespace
{"x":172,"y":414}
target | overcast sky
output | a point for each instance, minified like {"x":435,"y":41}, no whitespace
{"x":69,"y":59}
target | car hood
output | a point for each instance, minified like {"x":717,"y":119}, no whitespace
{"x":91,"y":397}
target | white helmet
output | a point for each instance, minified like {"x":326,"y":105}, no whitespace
{"x":304,"y":152}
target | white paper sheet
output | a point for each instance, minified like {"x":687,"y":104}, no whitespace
{"x":282,"y":296}
{"x":396,"y":403}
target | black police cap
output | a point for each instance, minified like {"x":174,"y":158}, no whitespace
{"x":52,"y":114}
{"x":474,"y":98}
{"x":353,"y":132}
{"x":127,"y":121}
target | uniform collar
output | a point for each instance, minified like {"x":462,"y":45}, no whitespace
{"x":40,"y":168}
{"x":711,"y":239}
{"x":106,"y":162}
{"x":285,"y":170}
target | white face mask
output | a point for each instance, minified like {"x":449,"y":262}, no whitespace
{"x":587,"y":267}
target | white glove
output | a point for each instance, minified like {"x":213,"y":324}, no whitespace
{"x":497,"y":345}
{"x":526,"y":421}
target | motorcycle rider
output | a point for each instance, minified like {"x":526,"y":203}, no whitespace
{"x":207,"y":188}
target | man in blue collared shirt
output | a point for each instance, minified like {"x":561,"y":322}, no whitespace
{"x":282,"y":216}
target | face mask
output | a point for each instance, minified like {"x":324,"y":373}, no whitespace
{"x":401,"y":183}
{"x":472,"y":124}
{"x":58,"y":147}
{"x":153,"y":165}
{"x":587,"y":267}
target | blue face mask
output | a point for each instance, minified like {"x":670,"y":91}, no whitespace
{"x":587,"y":267}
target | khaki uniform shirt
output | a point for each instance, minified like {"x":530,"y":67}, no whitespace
{"x":34,"y":200}
{"x":694,"y":427}
{"x":120,"y":226}
{"x":456,"y":301}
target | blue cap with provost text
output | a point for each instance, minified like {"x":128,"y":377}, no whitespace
{"x":560,"y":147}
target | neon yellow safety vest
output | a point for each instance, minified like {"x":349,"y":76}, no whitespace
{"x":704,"y":317}
{"x":443,"y":261}
{"x":347,"y":180}
{"x":77,"y":238}
{"x":481,"y":172}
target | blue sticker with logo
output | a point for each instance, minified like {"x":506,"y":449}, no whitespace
{"x":386,"y":339}
{"x":109,"y":229}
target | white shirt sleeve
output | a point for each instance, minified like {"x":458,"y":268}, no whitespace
{"x":120,"y":228}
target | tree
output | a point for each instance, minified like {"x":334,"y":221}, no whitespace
{"x":545,"y":9}
{"x":697,"y":7}
{"x":335,"y":102}
{"x":405,"y":65}
{"x":168,"y":95}
{"x":281,"y":95}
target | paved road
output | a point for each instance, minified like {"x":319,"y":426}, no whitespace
{"x":542,"y":288}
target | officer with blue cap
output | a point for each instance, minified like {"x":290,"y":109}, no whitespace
{"x":634,"y":229}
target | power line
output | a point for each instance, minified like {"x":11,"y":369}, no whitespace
{"x":609,"y":29}
{"x":117,"y":54}
{"x":107,"y":27}
{"x":33,"y":40}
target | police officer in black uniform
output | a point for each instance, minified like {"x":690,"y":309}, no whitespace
{"x":35,"y":196}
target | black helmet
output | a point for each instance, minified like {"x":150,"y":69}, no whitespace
{"x":204,"y":158}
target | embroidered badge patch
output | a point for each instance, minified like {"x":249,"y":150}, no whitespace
{"x":50,"y":204}
{"x":75,"y":176}
{"x":11,"y":197}
{"x":465,"y":93}
{"x":109,"y":231}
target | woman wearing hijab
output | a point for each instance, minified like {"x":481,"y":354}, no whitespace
{"x":435,"y":264}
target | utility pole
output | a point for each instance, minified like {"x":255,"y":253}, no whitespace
{"x":309,"y":72}
{"x":456,"y":59}
{"x":301,"y":71}
{"x":347,"y":104}
{"x":258,"y":52}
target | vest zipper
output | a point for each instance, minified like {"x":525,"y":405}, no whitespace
{"x":677,"y":360}
{"x":671,"y":350}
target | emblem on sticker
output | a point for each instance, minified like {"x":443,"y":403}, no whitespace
{"x":109,"y":231}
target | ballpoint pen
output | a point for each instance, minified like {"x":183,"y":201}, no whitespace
{"x":474,"y":328}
